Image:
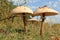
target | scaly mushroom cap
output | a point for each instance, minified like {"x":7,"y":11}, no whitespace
{"x":47,"y":10}
{"x":22,"y":9}
{"x":33,"y":20}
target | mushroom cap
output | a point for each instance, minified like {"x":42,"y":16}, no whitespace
{"x":47,"y":10}
{"x":33,"y":20}
{"x":22,"y":9}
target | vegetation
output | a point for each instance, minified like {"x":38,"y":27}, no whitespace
{"x":15,"y":30}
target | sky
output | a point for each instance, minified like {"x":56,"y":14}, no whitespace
{"x":34,"y":4}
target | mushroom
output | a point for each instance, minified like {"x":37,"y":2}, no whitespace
{"x":44,"y":11}
{"x":22,"y":10}
{"x":32,"y":20}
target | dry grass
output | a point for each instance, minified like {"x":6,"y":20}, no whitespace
{"x":14,"y":31}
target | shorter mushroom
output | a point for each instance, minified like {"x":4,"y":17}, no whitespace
{"x":33,"y":20}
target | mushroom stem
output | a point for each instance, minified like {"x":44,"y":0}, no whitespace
{"x":42,"y":25}
{"x":25,"y":25}
{"x":32,"y":25}
{"x":32,"y":28}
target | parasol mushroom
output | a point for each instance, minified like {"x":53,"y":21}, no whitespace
{"x":44,"y":11}
{"x":22,"y":10}
{"x":32,"y":20}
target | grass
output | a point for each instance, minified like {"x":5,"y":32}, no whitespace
{"x":15,"y":31}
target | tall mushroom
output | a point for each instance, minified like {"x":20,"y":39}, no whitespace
{"x":23,"y":10}
{"x":44,"y":11}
